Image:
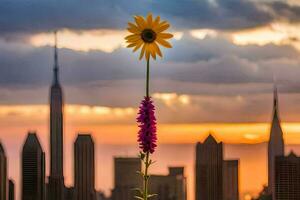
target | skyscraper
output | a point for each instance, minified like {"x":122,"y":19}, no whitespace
{"x":209,"y":170}
{"x":3,"y":174}
{"x":84,"y":159}
{"x":287,"y":177}
{"x":216,"y":178}
{"x":56,"y":178}
{"x":275,"y":145}
{"x":126,"y":178}
{"x":169,"y":187}
{"x":11,"y":190}
{"x":33,"y":169}
{"x":230,"y":180}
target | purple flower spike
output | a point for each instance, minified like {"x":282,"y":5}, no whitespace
{"x":147,"y":122}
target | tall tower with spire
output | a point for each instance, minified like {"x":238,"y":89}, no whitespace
{"x":56,"y":178}
{"x":275,"y":145}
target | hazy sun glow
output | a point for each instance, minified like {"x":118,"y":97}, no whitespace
{"x":178,"y":35}
{"x":87,"y":40}
{"x":276,"y":33}
{"x":171,"y":99}
{"x":105,"y":40}
{"x":203,"y":33}
{"x":294,"y":2}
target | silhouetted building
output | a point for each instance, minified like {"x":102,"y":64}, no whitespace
{"x":3,"y":173}
{"x":170,"y":187}
{"x":84,"y":168}
{"x":126,"y":178}
{"x":275,"y":145}
{"x":11,"y":190}
{"x":56,"y":178}
{"x":209,"y":168}
{"x":33,"y":169}
{"x":287,"y":177}
{"x":230,"y":180}
{"x":216,"y":179}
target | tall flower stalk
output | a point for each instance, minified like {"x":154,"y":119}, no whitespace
{"x":147,"y":34}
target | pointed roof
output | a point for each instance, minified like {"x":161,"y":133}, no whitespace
{"x":275,"y":101}
{"x":292,"y":155}
{"x":276,"y":134}
{"x":210,"y":140}
{"x":84,"y":138}
{"x":275,"y":119}
{"x":32,"y":141}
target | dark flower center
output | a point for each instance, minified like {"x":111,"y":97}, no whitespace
{"x":148,"y":35}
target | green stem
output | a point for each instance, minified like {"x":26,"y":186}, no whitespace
{"x":146,"y":177}
{"x":147,"y":78}
{"x":147,"y":164}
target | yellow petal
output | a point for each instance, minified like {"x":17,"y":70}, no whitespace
{"x":162,"y":27}
{"x":138,"y":45}
{"x":152,"y":51}
{"x":132,"y":36}
{"x":149,"y":20}
{"x":140,"y":21}
{"x":143,"y":51}
{"x":165,"y":35}
{"x":133,"y":28}
{"x":157,"y":49}
{"x":164,"y":43}
{"x":134,"y":39}
{"x":131,"y":45}
{"x":147,"y":54}
{"x":156,"y":22}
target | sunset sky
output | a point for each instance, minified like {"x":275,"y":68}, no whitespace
{"x":218,"y":77}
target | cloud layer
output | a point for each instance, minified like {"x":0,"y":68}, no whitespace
{"x":40,"y":16}
{"x":228,"y":51}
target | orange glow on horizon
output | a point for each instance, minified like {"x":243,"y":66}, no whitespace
{"x":116,"y":126}
{"x":120,"y":122}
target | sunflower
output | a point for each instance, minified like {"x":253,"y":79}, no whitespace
{"x":148,"y":34}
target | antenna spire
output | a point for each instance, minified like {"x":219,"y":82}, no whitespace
{"x":275,"y":95}
{"x":55,"y":80}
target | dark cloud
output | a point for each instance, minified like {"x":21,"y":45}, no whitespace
{"x":286,"y":11}
{"x":38,"y":16}
{"x":222,"y":14}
